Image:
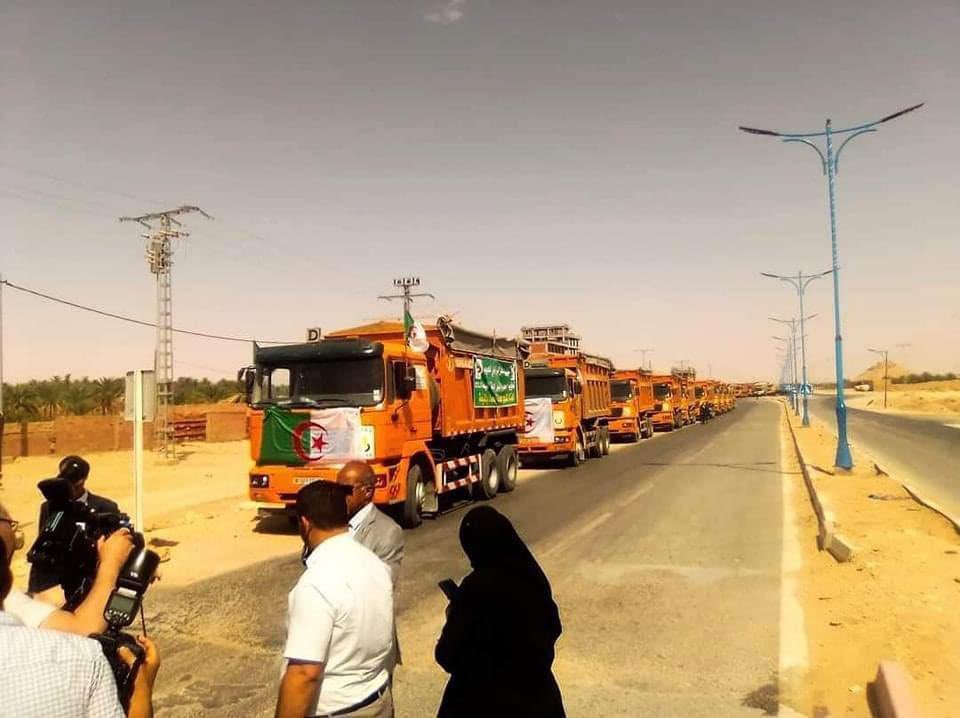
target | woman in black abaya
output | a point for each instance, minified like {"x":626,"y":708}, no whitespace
{"x":502,"y":624}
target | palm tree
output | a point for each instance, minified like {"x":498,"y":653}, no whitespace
{"x":20,"y":403}
{"x":106,"y":392}
{"x":77,"y":398}
{"x":49,"y":397}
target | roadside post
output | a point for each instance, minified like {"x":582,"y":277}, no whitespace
{"x":139,"y":406}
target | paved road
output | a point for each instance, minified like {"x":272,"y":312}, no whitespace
{"x":665,"y":559}
{"x":922,"y":449}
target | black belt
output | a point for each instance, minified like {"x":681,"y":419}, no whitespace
{"x":357,"y":706}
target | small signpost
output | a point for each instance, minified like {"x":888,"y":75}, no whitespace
{"x":314,"y":334}
{"x":139,"y":406}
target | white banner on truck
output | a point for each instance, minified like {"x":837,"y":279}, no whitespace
{"x":538,"y":419}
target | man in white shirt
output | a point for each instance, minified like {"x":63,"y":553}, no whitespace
{"x":50,"y":673}
{"x":340,"y":618}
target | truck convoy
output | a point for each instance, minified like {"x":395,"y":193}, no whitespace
{"x":448,"y":414}
{"x":447,"y":419}
{"x":567,"y":406}
{"x":631,"y":413}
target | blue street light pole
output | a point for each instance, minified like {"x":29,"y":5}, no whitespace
{"x":843,"y":460}
{"x":800,"y":283}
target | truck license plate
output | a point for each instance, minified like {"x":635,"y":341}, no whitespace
{"x":304,"y":480}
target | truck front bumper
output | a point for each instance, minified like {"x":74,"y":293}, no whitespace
{"x":563,"y":442}
{"x":277,"y":486}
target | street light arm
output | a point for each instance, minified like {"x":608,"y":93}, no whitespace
{"x":836,"y":157}
{"x":823,"y":160}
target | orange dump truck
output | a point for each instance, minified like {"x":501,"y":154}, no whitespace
{"x":567,"y":406}
{"x":631,"y":415}
{"x":669,"y":411}
{"x":429,"y":423}
{"x":689,"y":406}
{"x":705,"y":394}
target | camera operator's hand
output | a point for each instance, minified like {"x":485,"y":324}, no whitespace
{"x":114,"y":549}
{"x":141,"y":702}
{"x":88,"y":618}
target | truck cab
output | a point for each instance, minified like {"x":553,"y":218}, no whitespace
{"x":632,"y":403}
{"x":668,"y":411}
{"x":318,"y":405}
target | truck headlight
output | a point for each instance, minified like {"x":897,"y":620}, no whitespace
{"x":259,"y":481}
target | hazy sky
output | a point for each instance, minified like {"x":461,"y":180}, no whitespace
{"x":532,"y":160}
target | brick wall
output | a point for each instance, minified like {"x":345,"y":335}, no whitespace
{"x":77,"y":434}
{"x":226,"y":425}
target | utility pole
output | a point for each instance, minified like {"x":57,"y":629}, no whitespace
{"x":643,"y":358}
{"x":405,"y":284}
{"x":829,"y":162}
{"x":885,"y":353}
{"x":163,"y":228}
{"x":800,"y":283}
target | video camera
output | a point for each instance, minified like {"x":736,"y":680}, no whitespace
{"x":67,"y":543}
{"x":67,"y":546}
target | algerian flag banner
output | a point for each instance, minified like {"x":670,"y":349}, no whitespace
{"x":538,"y":419}
{"x":415,"y":333}
{"x":302,"y":437}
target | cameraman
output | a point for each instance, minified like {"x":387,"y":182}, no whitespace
{"x":75,"y":469}
{"x":48,"y":673}
{"x":88,"y":616}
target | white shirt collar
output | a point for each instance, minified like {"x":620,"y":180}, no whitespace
{"x":361,"y":517}
{"x":327,"y":545}
{"x":84,"y":497}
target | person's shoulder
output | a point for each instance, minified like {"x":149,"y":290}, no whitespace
{"x":54,"y":646}
{"x":102,"y":503}
{"x":386,"y":523}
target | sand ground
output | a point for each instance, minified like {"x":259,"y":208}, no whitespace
{"x":933,"y":397}
{"x":896,"y":599}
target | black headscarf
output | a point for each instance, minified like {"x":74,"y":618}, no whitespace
{"x":490,"y":542}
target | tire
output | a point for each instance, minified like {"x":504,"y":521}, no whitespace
{"x":412,"y":514}
{"x":578,"y":455}
{"x":486,"y":488}
{"x":507,"y":466}
{"x":594,"y":451}
{"x":649,"y":423}
{"x":604,"y":442}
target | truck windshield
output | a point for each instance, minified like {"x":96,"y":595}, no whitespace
{"x":698,"y":392}
{"x":661,"y":391}
{"x":554,"y":387}
{"x":336,"y":382}
{"x":621,"y":391}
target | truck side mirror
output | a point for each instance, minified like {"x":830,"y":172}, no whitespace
{"x":405,"y":380}
{"x":577,"y":387}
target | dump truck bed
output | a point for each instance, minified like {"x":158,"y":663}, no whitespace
{"x":476,"y":378}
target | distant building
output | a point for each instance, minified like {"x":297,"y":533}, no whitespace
{"x":552,"y":338}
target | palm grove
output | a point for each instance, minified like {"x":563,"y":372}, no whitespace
{"x":65,"y":396}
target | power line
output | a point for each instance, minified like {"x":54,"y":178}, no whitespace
{"x":132,"y":320}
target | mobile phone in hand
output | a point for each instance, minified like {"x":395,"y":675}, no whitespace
{"x":449,"y":588}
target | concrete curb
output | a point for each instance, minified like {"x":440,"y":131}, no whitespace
{"x":919,"y":498}
{"x":890,"y":692}
{"x":827,"y":538}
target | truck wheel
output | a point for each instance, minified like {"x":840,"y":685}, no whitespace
{"x":604,"y":442}
{"x":411,"y":516}
{"x":486,"y":487}
{"x":507,"y":465}
{"x":578,"y":455}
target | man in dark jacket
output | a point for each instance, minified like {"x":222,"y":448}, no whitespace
{"x":75,"y":470}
